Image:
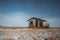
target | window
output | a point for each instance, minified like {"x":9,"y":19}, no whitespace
{"x":31,"y":22}
{"x":45,"y":39}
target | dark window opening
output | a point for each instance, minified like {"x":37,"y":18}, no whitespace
{"x":31,"y":22}
{"x":46,"y":39}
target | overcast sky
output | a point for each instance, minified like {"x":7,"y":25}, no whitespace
{"x":17,"y":12}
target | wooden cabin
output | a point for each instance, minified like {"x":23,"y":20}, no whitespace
{"x":37,"y":23}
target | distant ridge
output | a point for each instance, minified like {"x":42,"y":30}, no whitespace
{"x":16,"y":27}
{"x":12,"y":27}
{"x":56,"y":27}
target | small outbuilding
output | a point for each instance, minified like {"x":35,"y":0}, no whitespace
{"x":38,"y":23}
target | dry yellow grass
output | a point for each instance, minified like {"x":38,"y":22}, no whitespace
{"x":30,"y":31}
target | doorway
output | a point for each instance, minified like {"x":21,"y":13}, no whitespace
{"x":41,"y":24}
{"x":36,"y":23}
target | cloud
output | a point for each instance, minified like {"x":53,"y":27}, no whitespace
{"x":57,"y":22}
{"x":20,"y":19}
{"x":54,"y":22}
{"x":13,"y":19}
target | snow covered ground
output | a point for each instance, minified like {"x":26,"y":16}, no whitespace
{"x":29,"y":34}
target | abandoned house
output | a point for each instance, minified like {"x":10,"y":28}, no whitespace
{"x":38,"y":23}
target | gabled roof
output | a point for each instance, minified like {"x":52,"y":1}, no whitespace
{"x":37,"y":19}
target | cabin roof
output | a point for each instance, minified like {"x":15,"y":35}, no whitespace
{"x":37,"y":19}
